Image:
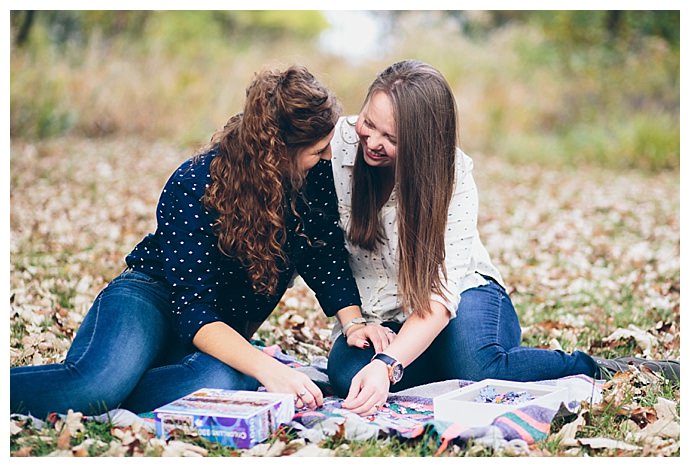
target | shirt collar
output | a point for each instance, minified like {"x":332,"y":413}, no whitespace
{"x":350,"y":138}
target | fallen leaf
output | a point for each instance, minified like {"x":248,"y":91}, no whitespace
{"x":64,"y":439}
{"x":175,"y":448}
{"x":24,"y":451}
{"x":313,"y":450}
{"x":569,"y":431}
{"x":643,"y":339}
{"x":607,"y":443}
{"x":666,"y":425}
{"x":16,"y":427}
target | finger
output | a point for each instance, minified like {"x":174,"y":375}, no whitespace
{"x":390,"y":336}
{"x":316,"y":393}
{"x":359,"y":399}
{"x":368,"y":407}
{"x":305,"y":399}
{"x":377,"y":340}
{"x":298,"y":403}
{"x":308,"y":400}
{"x":355,"y":387}
{"x":358,"y":339}
{"x":376,"y":408}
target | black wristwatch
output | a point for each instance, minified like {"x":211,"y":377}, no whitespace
{"x":395,"y":368}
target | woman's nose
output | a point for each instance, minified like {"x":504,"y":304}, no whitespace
{"x":374,"y":141}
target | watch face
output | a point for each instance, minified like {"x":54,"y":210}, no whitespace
{"x":396,"y":373}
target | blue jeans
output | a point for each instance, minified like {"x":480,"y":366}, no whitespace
{"x":482,"y":341}
{"x":125,"y":355}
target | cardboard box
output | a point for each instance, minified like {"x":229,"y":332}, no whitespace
{"x":238,"y":419}
{"x":459,"y":406}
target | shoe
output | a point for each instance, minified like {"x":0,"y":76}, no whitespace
{"x":670,"y":369}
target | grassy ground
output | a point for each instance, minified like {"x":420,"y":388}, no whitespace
{"x":576,"y":156}
{"x":590,"y":256}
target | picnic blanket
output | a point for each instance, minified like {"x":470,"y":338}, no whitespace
{"x":407,"y":414}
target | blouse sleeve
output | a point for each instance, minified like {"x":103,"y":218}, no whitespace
{"x":324,"y":265}
{"x":190,"y":253}
{"x":461,"y":232}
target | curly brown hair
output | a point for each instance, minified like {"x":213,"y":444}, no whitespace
{"x":256,"y":167}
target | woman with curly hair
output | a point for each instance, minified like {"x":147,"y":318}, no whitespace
{"x":234,"y":225}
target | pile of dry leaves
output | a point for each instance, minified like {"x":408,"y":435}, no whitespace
{"x":591,"y":259}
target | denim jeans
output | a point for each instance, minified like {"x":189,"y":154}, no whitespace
{"x":125,"y":355}
{"x":482,"y":341}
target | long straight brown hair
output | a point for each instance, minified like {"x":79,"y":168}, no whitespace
{"x":426,"y":130}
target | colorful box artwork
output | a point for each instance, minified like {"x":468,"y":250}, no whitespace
{"x":239,"y":419}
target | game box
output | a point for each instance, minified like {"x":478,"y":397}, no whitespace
{"x":239,"y":419}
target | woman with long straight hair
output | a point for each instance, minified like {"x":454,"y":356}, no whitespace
{"x":409,"y":205}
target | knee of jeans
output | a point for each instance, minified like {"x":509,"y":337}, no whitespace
{"x":339,"y":380}
{"x":343,"y":365}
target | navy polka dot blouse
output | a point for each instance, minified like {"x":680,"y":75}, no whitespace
{"x":208,"y":286}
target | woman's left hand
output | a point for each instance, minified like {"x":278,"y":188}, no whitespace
{"x":368,"y":390}
{"x":380,"y":336}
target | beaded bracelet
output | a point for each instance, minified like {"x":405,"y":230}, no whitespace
{"x":351,"y":323}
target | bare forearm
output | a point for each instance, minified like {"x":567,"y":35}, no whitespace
{"x":227,"y":345}
{"x":348,"y":314}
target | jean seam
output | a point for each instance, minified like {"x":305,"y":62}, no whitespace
{"x":499,"y":316}
{"x":93,"y":333}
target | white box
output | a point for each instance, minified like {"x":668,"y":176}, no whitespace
{"x":460,"y":407}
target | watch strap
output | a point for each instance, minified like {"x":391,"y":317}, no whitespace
{"x":387,"y":359}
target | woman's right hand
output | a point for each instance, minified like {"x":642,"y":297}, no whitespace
{"x":380,"y":336}
{"x":283,"y":379}
{"x":368,"y":390}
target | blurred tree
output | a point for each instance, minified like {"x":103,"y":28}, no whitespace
{"x":24,"y":20}
{"x":77,"y":27}
{"x":567,"y":28}
{"x":590,"y":28}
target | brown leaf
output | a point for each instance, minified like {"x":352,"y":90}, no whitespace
{"x":64,"y":439}
{"x":23,"y":451}
{"x":80,"y":451}
{"x":607,"y":443}
{"x":643,"y":416}
{"x":666,"y":425}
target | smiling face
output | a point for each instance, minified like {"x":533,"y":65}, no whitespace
{"x":308,"y":157}
{"x":377,"y":132}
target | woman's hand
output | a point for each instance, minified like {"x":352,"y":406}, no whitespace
{"x":369,"y":389}
{"x":290,"y":381}
{"x":380,"y":336}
